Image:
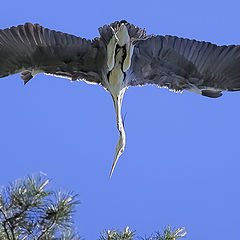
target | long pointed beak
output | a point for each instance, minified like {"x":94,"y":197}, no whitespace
{"x":119,"y":150}
{"x":122,"y":137}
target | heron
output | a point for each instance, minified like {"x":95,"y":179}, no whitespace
{"x":122,"y":56}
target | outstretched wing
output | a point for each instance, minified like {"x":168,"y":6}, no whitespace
{"x":180,"y":64}
{"x":31,"y":49}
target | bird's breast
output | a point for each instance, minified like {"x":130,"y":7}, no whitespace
{"x":116,"y":79}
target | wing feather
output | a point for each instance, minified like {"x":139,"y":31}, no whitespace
{"x":31,"y":48}
{"x":179,"y":64}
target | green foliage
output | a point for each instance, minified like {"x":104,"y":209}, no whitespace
{"x":116,"y":235}
{"x":29,"y":212}
{"x":168,"y":234}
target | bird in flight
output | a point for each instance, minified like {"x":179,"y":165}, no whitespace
{"x":121,"y":57}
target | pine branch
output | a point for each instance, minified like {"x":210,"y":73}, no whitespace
{"x":127,"y":234}
{"x":4,"y":224}
{"x":28,"y":211}
{"x":6,"y":221}
{"x":47,"y":229}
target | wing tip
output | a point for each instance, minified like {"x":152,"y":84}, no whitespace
{"x":211,"y":93}
{"x":26,"y":76}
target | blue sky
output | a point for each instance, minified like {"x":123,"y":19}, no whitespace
{"x":181,"y":162}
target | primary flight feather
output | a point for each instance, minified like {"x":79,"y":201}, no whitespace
{"x":122,"y":56}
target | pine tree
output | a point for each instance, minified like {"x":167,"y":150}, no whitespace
{"x":29,"y":212}
{"x":127,"y":234}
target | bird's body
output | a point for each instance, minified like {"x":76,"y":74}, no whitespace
{"x":122,"y":56}
{"x":119,"y":60}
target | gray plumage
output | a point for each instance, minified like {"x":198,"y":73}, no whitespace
{"x":182,"y":64}
{"x":32,"y":47}
{"x":122,"y":56}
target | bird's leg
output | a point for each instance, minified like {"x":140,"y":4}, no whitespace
{"x":122,"y":137}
